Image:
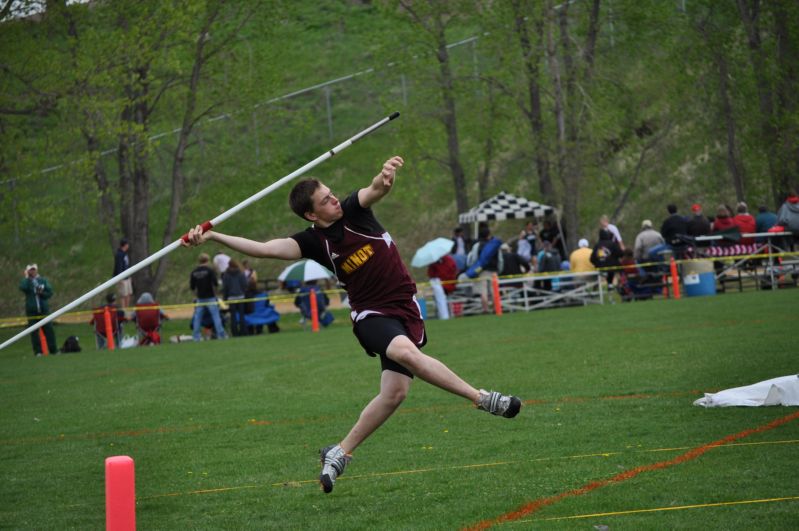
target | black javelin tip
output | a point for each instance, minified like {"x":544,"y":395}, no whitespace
{"x":393,"y":115}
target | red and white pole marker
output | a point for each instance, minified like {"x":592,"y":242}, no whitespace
{"x":120,"y":494}
{"x":206,"y":226}
{"x":314,"y":312}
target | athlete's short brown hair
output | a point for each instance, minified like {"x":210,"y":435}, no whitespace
{"x":300,"y":197}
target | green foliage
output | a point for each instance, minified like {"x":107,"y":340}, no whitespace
{"x":652,"y":134}
{"x":225,"y":434}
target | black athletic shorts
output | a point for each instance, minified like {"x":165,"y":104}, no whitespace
{"x":376,"y":333}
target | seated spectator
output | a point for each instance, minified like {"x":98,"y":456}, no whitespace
{"x":234,"y":287}
{"x":606,"y":254}
{"x":698,"y":224}
{"x":548,"y":262}
{"x":580,"y":259}
{"x":646,"y":240}
{"x":765,"y":219}
{"x":673,"y":228}
{"x":303,"y":302}
{"x":604,"y":223}
{"x":528,"y":237}
{"x":745,"y":223}
{"x":552,"y":233}
{"x":460,"y":248}
{"x":148,"y":318}
{"x":98,"y":321}
{"x":260,"y":311}
{"x":723,"y":220}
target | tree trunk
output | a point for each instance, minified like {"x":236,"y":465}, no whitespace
{"x":750,"y":19}
{"x":449,"y":120}
{"x":107,"y":210}
{"x":535,"y":119}
{"x":787,"y":37}
{"x":734,"y":164}
{"x":178,"y":178}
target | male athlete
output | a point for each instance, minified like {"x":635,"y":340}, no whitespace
{"x":347,"y":238}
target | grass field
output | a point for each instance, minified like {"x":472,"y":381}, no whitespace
{"x":225,"y":434}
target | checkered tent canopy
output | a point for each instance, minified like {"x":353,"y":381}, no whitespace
{"x":505,"y":206}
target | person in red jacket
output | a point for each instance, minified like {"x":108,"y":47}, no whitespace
{"x":745,"y":222}
{"x":442,"y":280}
{"x":446,"y":270}
{"x":723,"y":219}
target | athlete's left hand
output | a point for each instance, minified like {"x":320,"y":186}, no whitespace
{"x":390,"y":170}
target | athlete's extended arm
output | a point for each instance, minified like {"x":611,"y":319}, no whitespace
{"x":381,"y":184}
{"x":283,"y":248}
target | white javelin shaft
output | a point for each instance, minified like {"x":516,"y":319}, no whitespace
{"x":206,"y":226}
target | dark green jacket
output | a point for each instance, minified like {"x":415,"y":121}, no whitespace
{"x":37,"y":292}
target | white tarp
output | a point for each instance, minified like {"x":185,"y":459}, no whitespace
{"x":782,"y":391}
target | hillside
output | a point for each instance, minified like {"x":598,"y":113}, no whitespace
{"x":639,"y":123}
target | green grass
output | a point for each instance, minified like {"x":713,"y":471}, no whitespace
{"x":225,"y":434}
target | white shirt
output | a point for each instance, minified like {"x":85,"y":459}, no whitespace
{"x":221,"y":262}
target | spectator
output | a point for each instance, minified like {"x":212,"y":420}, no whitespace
{"x":604,"y":223}
{"x":303,"y":302}
{"x":698,"y":224}
{"x":121,"y":264}
{"x":788,"y":216}
{"x":203,"y":283}
{"x":606,"y":254}
{"x":764,"y":219}
{"x":580,"y":259}
{"x":646,"y":240}
{"x":526,"y":245}
{"x":723,"y":220}
{"x":745,"y":222}
{"x":234,"y":287}
{"x":673,"y":226}
{"x":98,"y":321}
{"x":484,"y":261}
{"x":548,"y":262}
{"x":249,"y":294}
{"x":221,"y":261}
{"x":248,"y":271}
{"x":38,"y":291}
{"x":148,"y":317}
{"x":513,"y":263}
{"x":442,"y":276}
{"x":551,"y":233}
{"x":460,"y":248}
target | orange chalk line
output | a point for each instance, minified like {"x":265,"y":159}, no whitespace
{"x":536,"y":505}
{"x":658,"y":509}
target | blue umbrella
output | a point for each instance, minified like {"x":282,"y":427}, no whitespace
{"x":431,"y":252}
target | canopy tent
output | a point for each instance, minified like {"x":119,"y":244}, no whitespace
{"x":507,"y":206}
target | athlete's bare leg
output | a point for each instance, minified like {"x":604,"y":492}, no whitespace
{"x":403,"y":351}
{"x":393,"y":390}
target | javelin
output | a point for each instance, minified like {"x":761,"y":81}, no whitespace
{"x":206,"y":226}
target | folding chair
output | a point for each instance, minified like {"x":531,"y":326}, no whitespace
{"x":148,"y":323}
{"x":98,"y":321}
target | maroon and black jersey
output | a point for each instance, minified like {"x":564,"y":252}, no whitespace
{"x":364,"y":258}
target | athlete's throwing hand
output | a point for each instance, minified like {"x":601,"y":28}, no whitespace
{"x":390,"y":170}
{"x":196,"y":236}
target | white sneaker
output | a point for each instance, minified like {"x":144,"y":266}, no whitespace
{"x":498,"y":404}
{"x":334,"y":460}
